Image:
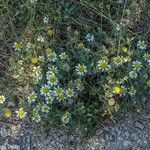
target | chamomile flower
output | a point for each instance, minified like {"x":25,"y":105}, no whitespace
{"x":36,"y":117}
{"x":52,"y":57}
{"x":147,"y":57}
{"x":41,"y":58}
{"x":63,"y":56}
{"x":66,"y":117}
{"x":141,"y":45}
{"x":44,"y":108}
{"x":21,"y":113}
{"x":52,"y":79}
{"x":2,"y":99}
{"x":111,"y":102}
{"x":89,"y":37}
{"x":80,"y":87}
{"x":70,"y":93}
{"x":81,"y":69}
{"x":81,"y":45}
{"x":40,"y":39}
{"x":32,"y":97}
{"x":34,"y":60}
{"x":132,"y":91}
{"x":17,"y":46}
{"x":137,"y":65}
{"x":103,"y":65}
{"x":118,"y":61}
{"x":52,"y":70}
{"x":133,"y":74}
{"x":58,"y":91}
{"x":49,"y":100}
{"x":61,"y":97}
{"x":45,"y":90}
{"x":7,"y":113}
{"x":119,"y":89}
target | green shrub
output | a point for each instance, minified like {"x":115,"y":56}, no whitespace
{"x":73,"y":71}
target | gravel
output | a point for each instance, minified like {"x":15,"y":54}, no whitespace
{"x":129,"y":133}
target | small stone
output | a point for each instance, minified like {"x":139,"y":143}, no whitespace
{"x":139,"y":125}
{"x":4,"y":133}
{"x":126,"y":134}
{"x":127,"y":143}
{"x":106,"y":137}
{"x":120,"y":138}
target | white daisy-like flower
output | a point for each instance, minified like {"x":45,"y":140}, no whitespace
{"x":41,"y":58}
{"x":66,"y":117}
{"x":89,"y":37}
{"x":46,"y":19}
{"x":36,"y":117}
{"x":132,"y":91}
{"x":17,"y":46}
{"x":52,"y":57}
{"x":80,"y":87}
{"x":61,"y":97}
{"x":137,"y":65}
{"x":2,"y":99}
{"x":45,"y":90}
{"x":141,"y":45}
{"x":118,"y":61}
{"x":45,"y":108}
{"x":63,"y":56}
{"x":58,"y":91}
{"x":81,"y":69}
{"x":52,"y":79}
{"x":49,"y":100}
{"x":103,"y":65}
{"x":40,"y":38}
{"x":70,"y":93}
{"x":147,"y":57}
{"x":37,"y":74}
{"x":133,"y":74}
{"x":21,"y":113}
{"x":52,"y":70}
{"x":32,"y":97}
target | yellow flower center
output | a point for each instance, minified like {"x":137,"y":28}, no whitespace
{"x":51,"y":56}
{"x":80,"y":45}
{"x":53,"y":79}
{"x":34,"y":60}
{"x":81,"y":69}
{"x":50,"y":32}
{"x":111,"y":102}
{"x":48,"y":50}
{"x":103,"y":65}
{"x":46,"y":90}
{"x":118,"y":90}
{"x":21,"y":112}
{"x":58,"y":91}
{"x":7,"y":113}
{"x":18,"y":46}
{"x":124,"y":49}
{"x":137,"y":65}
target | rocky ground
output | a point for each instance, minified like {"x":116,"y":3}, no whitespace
{"x":130,"y":132}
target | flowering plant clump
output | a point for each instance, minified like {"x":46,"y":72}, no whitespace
{"x":75,"y":74}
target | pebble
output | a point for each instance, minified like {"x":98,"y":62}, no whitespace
{"x":139,"y":125}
